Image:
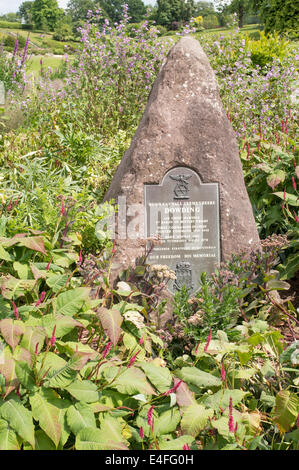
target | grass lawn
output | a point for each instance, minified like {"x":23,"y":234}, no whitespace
{"x":48,"y":61}
{"x":39,"y":39}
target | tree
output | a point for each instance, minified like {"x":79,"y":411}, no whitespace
{"x":280,"y":15}
{"x":137,"y":10}
{"x":171,"y":11}
{"x":11,"y":17}
{"x":114,"y":9}
{"x":25,"y":12}
{"x":46,"y":14}
{"x":204,"y":9}
{"x":241,"y":7}
{"x":78,"y":9}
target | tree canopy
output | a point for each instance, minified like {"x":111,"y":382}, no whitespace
{"x":46,"y":14}
{"x":171,"y":11}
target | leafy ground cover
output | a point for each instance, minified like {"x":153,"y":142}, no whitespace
{"x":87,"y":365}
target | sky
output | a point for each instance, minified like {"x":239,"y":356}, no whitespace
{"x":10,"y":6}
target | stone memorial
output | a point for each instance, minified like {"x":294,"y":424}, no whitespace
{"x":181,"y":179}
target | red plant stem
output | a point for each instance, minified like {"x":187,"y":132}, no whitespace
{"x":282,"y":309}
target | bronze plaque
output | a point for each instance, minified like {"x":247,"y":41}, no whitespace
{"x":184,"y":212}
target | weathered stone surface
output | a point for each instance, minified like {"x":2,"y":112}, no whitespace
{"x":184,"y":124}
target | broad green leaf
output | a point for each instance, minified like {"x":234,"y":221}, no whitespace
{"x":132,"y":382}
{"x":252,"y":421}
{"x":57,"y":281}
{"x":111,"y":321}
{"x":289,"y":198}
{"x":21,"y":354}
{"x":267,"y":400}
{"x":12,"y":288}
{"x":198,"y":377}
{"x":123,"y":289}
{"x":80,"y":416}
{"x":49,"y":362}
{"x":65,"y":259}
{"x":25,"y":375}
{"x":89,"y":438}
{"x":19,"y":419}
{"x":222,"y":398}
{"x":71,"y":301}
{"x":244,"y":374}
{"x":62,"y":377}
{"x":286,"y":410}
{"x":22,"y":269}
{"x":37,"y":273}
{"x":46,"y":414}
{"x":7,"y":369}
{"x":160,"y":377}
{"x":33,"y":243}
{"x":63,"y":324}
{"x":130,"y":342}
{"x":184,"y":396}
{"x":83,"y":390}
{"x":8,"y":438}
{"x":107,"y":438}
{"x":167,"y":422}
{"x":70,"y":348}
{"x":4,"y":255}
{"x":32,"y":336}
{"x":5,"y":307}
{"x":42,"y":441}
{"x":195,"y":418}
{"x":11,"y":331}
{"x":176,"y":444}
{"x":275,"y":178}
{"x":277,"y":285}
{"x":111,"y":430}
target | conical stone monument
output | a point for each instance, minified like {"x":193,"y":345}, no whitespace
{"x":182,"y":177}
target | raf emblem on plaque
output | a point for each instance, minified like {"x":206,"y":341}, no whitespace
{"x":181,"y":189}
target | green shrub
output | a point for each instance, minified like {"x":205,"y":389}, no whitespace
{"x":83,"y":371}
{"x":10,"y":25}
{"x":268,"y":48}
{"x":210,"y":22}
{"x":162,"y":30}
{"x":27,"y":27}
{"x":10,"y":41}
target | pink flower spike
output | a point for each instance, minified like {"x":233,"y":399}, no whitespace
{"x":222,"y":371}
{"x":208,"y":341}
{"x":107,"y":349}
{"x":141,"y":432}
{"x":186,"y":447}
{"x":41,"y":299}
{"x":231,"y":426}
{"x":36,"y":349}
{"x":133,"y":359}
{"x":141,"y":341}
{"x":15,"y":310}
{"x":173,"y":389}
{"x":48,"y":265}
{"x":62,"y":210}
{"x":294,"y":183}
{"x":9,"y":205}
{"x":80,"y":257}
{"x":150,"y":420}
{"x":53,"y":339}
